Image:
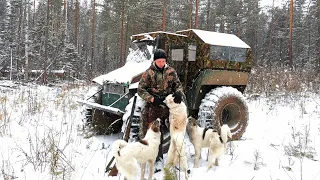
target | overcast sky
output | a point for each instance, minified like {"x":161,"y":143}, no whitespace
{"x":269,"y":3}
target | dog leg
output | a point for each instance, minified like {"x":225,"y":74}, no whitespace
{"x":196,"y":157}
{"x":183,"y":164}
{"x":216,"y":163}
{"x":171,"y":154}
{"x":128,"y":178}
{"x":211,"y":159}
{"x":186,"y":175}
{"x":183,"y":158}
{"x":151,"y":169}
{"x":143,"y":169}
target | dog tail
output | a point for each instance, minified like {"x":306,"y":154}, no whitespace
{"x":225,"y":133}
{"x":117,"y":146}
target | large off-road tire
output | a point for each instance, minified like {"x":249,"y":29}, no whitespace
{"x":135,"y":125}
{"x":224,"y":105}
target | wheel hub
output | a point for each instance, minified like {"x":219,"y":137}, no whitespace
{"x":230,"y":114}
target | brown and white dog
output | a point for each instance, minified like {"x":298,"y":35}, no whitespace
{"x":178,"y":122}
{"x":128,"y":155}
{"x":207,"y":138}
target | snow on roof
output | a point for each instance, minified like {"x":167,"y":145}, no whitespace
{"x":136,"y":64}
{"x":125,"y":73}
{"x":158,"y":32}
{"x":219,"y":39}
{"x":147,"y":37}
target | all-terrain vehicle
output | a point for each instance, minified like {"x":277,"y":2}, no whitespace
{"x":213,"y":67}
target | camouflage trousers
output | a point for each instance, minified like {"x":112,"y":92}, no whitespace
{"x":149,"y":114}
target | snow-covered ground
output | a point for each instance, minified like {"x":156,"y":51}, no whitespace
{"x":40,"y":138}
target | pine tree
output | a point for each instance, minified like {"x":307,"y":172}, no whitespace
{"x":249,"y":21}
{"x":4,"y":36}
{"x":178,"y":18}
{"x":318,"y":39}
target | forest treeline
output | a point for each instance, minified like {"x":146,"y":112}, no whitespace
{"x":89,"y":38}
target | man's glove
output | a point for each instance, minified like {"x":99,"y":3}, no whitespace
{"x":159,"y":101}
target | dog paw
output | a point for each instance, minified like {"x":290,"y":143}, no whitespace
{"x":157,"y":170}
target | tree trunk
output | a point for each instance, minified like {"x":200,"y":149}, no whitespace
{"x":164,"y":16}
{"x":197,"y":14}
{"x":20,"y":27}
{"x":190,"y":14}
{"x":105,"y":53}
{"x":222,"y":15}
{"x":26,"y":48}
{"x":290,"y":34}
{"x":65,"y":21}
{"x":318,"y":40}
{"x":270,"y":34}
{"x":76,"y":25}
{"x":239,"y":26}
{"x":121,"y":34}
{"x":34,"y":12}
{"x":92,"y":38}
{"x":222,"y":25}
{"x":125,"y":40}
{"x":208,"y":15}
{"x":44,"y":76}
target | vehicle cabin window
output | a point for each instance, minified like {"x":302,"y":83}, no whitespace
{"x":106,"y":88}
{"x":118,"y":89}
{"x":192,"y":53}
{"x":228,"y":53}
{"x":141,"y":46}
{"x":177,"y":54}
{"x":113,"y":88}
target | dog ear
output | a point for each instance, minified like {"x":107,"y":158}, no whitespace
{"x":177,"y":98}
{"x":193,"y":121}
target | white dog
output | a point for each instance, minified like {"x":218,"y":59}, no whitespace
{"x":207,"y":138}
{"x":127,"y":155}
{"x":177,"y":124}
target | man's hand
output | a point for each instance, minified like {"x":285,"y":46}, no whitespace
{"x":158,"y":101}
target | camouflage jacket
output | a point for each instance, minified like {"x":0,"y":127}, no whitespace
{"x":156,"y":83}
